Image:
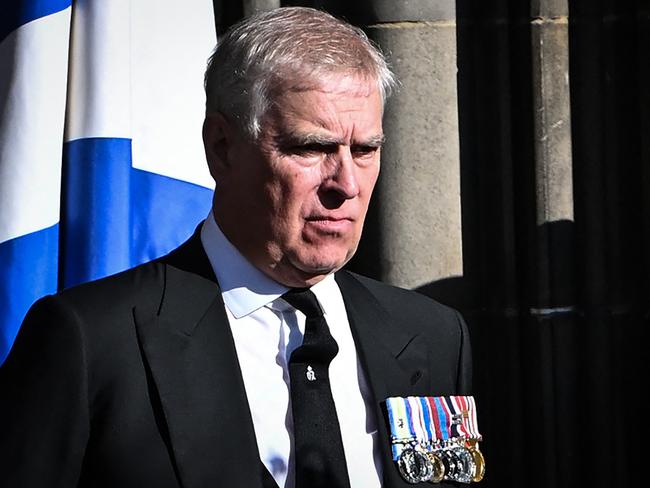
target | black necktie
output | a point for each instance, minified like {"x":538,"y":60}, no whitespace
{"x":320,"y":460}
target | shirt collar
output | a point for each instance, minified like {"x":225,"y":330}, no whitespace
{"x":244,"y":287}
{"x":326,"y":292}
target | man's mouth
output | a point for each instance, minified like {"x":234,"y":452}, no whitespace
{"x":330,"y":224}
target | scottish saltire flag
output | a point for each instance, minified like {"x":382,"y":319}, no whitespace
{"x":101,"y":161}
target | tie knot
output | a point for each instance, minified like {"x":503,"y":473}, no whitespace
{"x":303,"y":299}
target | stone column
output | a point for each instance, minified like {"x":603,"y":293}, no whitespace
{"x":552,"y":143}
{"x":550,"y":42}
{"x":552,"y":332}
{"x":413,"y":235}
{"x":253,"y":6}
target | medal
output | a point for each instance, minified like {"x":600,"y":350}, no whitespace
{"x":449,"y":461}
{"x":412,"y":460}
{"x":435,"y":439}
{"x":479,"y":460}
{"x":425,"y":431}
{"x":456,"y":409}
{"x":465,"y":464}
{"x":438,"y":467}
{"x":414,"y":465}
{"x":432,"y":441}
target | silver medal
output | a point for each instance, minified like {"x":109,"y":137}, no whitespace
{"x":415,"y":466}
{"x":465,"y":463}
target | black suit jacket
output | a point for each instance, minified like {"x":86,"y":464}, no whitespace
{"x":133,"y":380}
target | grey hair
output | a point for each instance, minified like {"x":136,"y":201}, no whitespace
{"x":286,"y":48}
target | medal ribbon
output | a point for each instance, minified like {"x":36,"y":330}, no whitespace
{"x":400,"y":425}
{"x":413,"y":417}
{"x":437,"y":426}
{"x":461,"y":415}
{"x":472,"y":421}
{"x":443,"y":417}
{"x":431,"y":421}
{"x":428,"y":421}
{"x":421,"y":421}
{"x":454,"y":431}
{"x":467,"y":417}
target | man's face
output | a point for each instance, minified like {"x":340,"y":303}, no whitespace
{"x":294,"y":201}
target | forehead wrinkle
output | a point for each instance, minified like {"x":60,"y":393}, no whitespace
{"x":325,"y":123}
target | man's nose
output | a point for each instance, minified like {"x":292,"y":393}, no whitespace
{"x":344,"y":179}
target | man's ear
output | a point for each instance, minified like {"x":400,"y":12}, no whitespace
{"x":218,"y":138}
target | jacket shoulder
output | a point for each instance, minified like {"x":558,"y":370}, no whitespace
{"x":142,"y":285}
{"x":441,"y":327}
{"x":404,"y":301}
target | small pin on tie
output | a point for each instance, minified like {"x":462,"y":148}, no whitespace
{"x":311,"y":376}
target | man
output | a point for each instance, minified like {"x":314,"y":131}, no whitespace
{"x":199,"y":369}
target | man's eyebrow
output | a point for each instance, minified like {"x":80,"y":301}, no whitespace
{"x":373,"y":141}
{"x":306,"y":139}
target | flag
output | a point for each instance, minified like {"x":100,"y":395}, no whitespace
{"x":101,"y":159}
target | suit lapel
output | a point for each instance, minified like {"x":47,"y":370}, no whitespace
{"x":191,"y":357}
{"x":394,"y":359}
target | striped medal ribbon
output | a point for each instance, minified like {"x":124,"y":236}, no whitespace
{"x":460,"y":454}
{"x":408,"y":437}
{"x":426,"y":431}
{"x":436,"y":438}
{"x":470,"y":423}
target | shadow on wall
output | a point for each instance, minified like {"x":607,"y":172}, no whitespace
{"x":551,"y":376}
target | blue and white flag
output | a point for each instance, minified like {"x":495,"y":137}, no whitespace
{"x":101,"y":160}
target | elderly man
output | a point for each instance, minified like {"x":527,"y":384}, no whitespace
{"x":246,"y":357}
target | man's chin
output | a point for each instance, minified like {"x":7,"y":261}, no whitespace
{"x":308,"y":272}
{"x":323,"y":264}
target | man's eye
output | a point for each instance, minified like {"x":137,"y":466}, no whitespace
{"x":363,"y":151}
{"x":312,"y":149}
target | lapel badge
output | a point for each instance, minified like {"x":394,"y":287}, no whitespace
{"x":311,"y":375}
{"x":435,"y":439}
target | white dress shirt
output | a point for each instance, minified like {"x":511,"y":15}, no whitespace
{"x":266,"y":329}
